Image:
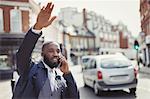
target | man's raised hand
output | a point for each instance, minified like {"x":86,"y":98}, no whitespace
{"x":44,"y":18}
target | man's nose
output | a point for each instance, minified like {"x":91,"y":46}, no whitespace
{"x":56,"y":53}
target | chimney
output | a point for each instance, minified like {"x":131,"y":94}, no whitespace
{"x":85,"y":18}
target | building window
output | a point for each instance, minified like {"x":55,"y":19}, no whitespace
{"x":1,"y":21}
{"x":15,"y":21}
{"x":85,"y":43}
{"x":91,"y":43}
{"x":4,"y":62}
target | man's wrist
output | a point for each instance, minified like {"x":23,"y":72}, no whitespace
{"x":37,"y":27}
{"x":36,"y":31}
{"x":65,"y":73}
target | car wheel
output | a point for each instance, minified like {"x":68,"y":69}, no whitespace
{"x":133,"y":90}
{"x":96,"y":90}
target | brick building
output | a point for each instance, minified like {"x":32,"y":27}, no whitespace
{"x":145,"y":27}
{"x":15,"y":20}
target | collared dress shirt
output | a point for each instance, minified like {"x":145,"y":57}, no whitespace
{"x":51,"y":76}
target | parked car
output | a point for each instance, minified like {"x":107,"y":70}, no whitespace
{"x":110,"y":72}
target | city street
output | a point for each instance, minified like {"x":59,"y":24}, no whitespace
{"x":143,"y":89}
{"x":106,"y":41}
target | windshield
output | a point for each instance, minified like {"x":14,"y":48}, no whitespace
{"x":115,"y":63}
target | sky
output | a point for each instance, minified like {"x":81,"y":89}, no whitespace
{"x":126,"y":11}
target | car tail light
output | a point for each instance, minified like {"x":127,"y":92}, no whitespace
{"x":135,"y":72}
{"x":99,"y":75}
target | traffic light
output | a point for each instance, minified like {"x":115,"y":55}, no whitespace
{"x":136,"y":45}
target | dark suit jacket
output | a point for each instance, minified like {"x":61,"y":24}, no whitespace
{"x":33,"y":76}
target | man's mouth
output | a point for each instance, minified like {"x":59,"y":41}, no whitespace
{"x":55,"y":59}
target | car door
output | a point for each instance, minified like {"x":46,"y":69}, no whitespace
{"x":91,"y":72}
{"x":86,"y":72}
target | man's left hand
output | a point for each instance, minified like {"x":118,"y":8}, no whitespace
{"x":64,"y":65}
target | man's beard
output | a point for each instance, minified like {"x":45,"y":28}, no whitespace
{"x":50,"y":63}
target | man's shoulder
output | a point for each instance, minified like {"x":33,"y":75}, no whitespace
{"x":33,"y":68}
{"x":36,"y":66}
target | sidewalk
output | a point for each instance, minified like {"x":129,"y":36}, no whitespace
{"x":144,"y":69}
{"x":5,"y":89}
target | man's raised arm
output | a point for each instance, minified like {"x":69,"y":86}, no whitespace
{"x":23,"y":55}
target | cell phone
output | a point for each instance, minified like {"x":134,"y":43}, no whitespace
{"x":59,"y":63}
{"x":63,"y":52}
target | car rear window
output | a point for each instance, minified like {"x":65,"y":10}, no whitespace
{"x":115,"y":63}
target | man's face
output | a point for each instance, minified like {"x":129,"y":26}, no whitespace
{"x":51,"y":54}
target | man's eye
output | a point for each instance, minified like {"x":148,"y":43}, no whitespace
{"x":58,"y":51}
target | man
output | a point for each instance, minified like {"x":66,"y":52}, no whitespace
{"x":42,"y":81}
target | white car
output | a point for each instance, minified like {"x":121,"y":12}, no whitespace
{"x":110,"y":72}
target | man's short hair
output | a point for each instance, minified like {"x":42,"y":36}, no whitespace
{"x":49,"y":42}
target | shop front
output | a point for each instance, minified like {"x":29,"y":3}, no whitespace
{"x":9,"y":44}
